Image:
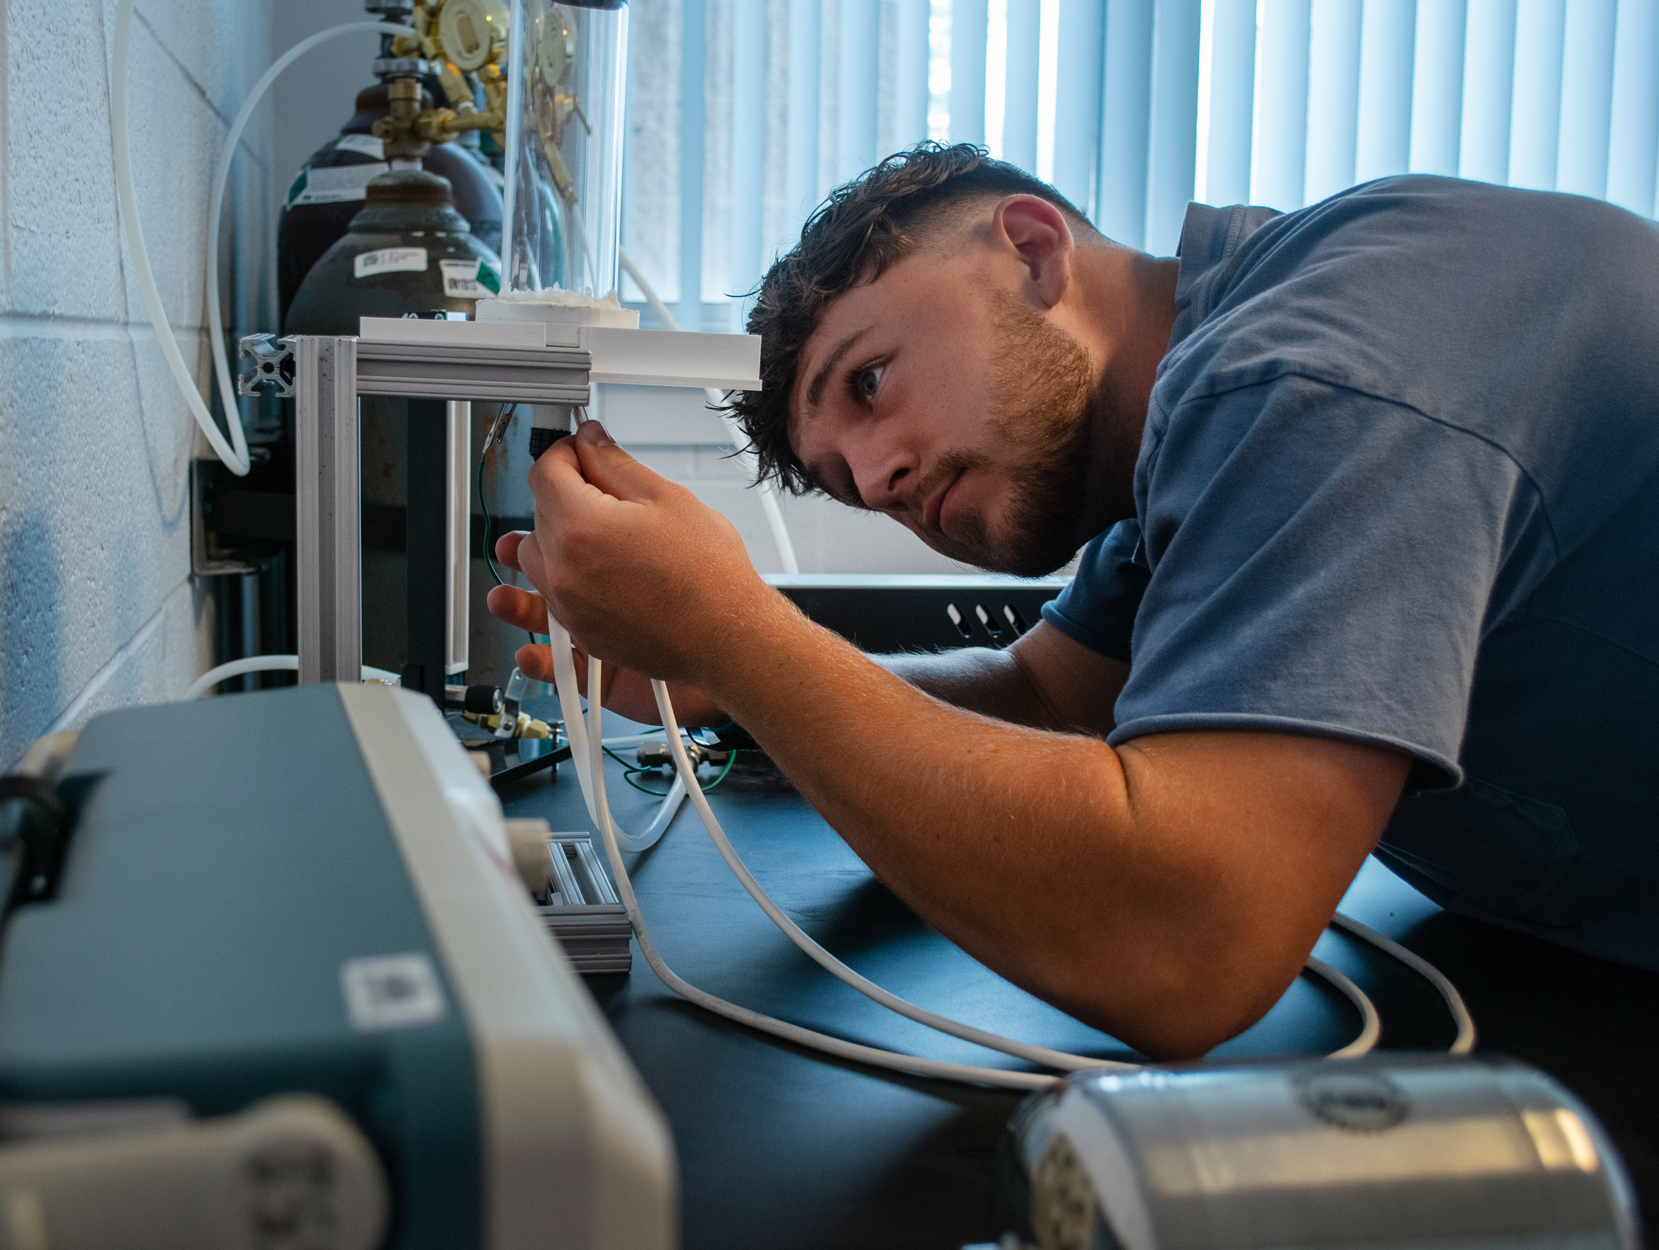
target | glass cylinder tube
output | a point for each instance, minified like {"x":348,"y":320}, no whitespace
{"x":568,"y":66}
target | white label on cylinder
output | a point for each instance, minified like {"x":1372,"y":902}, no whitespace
{"x":389,"y":260}
{"x":368,"y":145}
{"x":337,"y":184}
{"x":469,"y":279}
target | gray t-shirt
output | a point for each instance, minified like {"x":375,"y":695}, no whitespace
{"x":1400,"y":483}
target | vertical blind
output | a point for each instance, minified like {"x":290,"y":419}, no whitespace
{"x":744,"y":114}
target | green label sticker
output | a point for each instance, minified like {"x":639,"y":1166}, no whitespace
{"x":489,"y":279}
{"x":299,"y":185}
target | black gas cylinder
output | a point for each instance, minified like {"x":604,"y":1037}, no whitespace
{"x":407,"y":250}
{"x":329,"y":191}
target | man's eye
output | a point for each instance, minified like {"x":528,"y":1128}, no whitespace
{"x":869,"y":381}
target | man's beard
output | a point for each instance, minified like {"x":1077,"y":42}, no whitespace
{"x":1043,"y":380}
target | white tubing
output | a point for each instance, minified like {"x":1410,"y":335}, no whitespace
{"x":827,"y":961}
{"x":742,"y":1015}
{"x":265,"y":664}
{"x":666,"y":811}
{"x":631,"y":740}
{"x":1465,"y":1040}
{"x":235,"y":453}
{"x":570,"y":707}
{"x":1370,"y":1022}
{"x":883,"y":1058}
{"x":221,"y":176}
{"x":768,"y":491}
{"x":1371,"y":1025}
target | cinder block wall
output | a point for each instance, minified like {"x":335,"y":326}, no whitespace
{"x":97,"y":605}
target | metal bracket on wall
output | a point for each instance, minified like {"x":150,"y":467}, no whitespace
{"x":207,"y":557}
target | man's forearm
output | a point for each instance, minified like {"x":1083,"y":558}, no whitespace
{"x":979,"y":679}
{"x":1044,"y":680}
{"x":1103,"y":890}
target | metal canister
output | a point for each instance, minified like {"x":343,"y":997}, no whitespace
{"x":408,"y":250}
{"x":316,"y":215}
{"x":1388,"y":1151}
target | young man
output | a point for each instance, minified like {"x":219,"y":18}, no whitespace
{"x":1369,"y":502}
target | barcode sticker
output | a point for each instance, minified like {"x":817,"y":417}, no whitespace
{"x":469,"y":279}
{"x":368,"y":145}
{"x":391,"y":991}
{"x":389,"y":260}
{"x":336,"y":184}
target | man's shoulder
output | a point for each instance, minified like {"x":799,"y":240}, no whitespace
{"x":1482,"y":307}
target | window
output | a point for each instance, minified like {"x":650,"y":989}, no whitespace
{"x":743,"y":114}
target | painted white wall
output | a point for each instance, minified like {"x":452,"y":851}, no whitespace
{"x":97,"y":607}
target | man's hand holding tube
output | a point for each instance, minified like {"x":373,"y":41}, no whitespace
{"x":642,"y":574}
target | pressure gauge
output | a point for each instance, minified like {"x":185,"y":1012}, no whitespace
{"x":555,"y":44}
{"x":470,"y":30}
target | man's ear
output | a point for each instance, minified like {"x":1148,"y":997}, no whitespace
{"x":1038,"y":234}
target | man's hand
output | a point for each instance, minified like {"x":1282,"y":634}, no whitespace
{"x":626,"y":692}
{"x":639,"y":571}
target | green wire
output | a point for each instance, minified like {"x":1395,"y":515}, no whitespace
{"x":731,"y":758}
{"x":489,"y":555}
{"x":629,"y":773}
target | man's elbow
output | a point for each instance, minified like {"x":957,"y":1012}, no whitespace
{"x":1183,"y":1005}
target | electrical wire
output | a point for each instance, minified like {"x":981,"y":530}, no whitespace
{"x":233,"y":454}
{"x":483,"y":504}
{"x":489,"y":554}
{"x":766,"y":488}
{"x":629,"y":772}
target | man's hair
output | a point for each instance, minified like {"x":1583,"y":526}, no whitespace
{"x":853,"y":237}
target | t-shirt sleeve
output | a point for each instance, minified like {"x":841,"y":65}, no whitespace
{"x":1322,"y":561}
{"x":1097,"y":608}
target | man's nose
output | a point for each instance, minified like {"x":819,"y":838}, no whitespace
{"x":884,"y":479}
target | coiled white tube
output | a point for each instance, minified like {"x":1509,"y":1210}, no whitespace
{"x":234,"y":454}
{"x":1371,"y":1022}
{"x":570,"y":708}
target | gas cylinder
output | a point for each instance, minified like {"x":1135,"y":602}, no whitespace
{"x":329,"y":191}
{"x":407,"y":250}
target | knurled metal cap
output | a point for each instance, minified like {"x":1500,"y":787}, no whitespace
{"x":403,"y":67}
